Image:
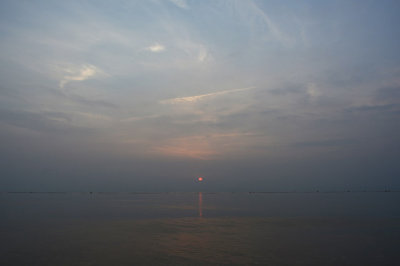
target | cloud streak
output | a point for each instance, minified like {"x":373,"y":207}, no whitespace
{"x":204,"y":147}
{"x":180,"y":3}
{"x":155,"y":48}
{"x":196,"y":98}
{"x":83,"y":73}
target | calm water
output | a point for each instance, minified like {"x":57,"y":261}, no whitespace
{"x":200,"y":229}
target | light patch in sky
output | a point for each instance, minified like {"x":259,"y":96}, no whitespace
{"x":313,"y":91}
{"x":139,"y":118}
{"x":196,"y":98}
{"x":156,"y":48}
{"x":205,"y":147}
{"x":195,"y":50}
{"x":193,"y":150}
{"x":82,"y":73}
{"x":202,"y":55}
{"x":180,"y":3}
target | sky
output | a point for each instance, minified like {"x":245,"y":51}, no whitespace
{"x":149,"y":95}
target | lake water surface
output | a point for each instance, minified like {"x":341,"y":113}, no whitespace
{"x":358,"y":228}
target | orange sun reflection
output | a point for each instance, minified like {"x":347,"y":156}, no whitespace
{"x":200,"y":204}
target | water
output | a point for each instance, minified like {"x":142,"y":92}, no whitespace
{"x":200,"y":228}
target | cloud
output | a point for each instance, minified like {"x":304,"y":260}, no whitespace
{"x":390,"y":94}
{"x":202,"y":54}
{"x":204,"y":147}
{"x":325,"y":143}
{"x":313,"y":91}
{"x":375,"y":108}
{"x":80,"y":74}
{"x":197,"y":51}
{"x":180,"y":3}
{"x":196,"y":98}
{"x":54,"y":122}
{"x":155,"y":48}
{"x":139,"y":118}
{"x":91,"y":102}
{"x":255,"y":17}
{"x":194,"y":151}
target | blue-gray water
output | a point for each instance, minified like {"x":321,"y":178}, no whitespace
{"x":358,"y":228}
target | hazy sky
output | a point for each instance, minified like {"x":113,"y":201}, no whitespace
{"x":148,"y":95}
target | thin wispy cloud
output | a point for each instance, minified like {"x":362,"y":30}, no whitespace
{"x":195,"y":98}
{"x":195,"y":50}
{"x":273,"y":28}
{"x":155,"y":48}
{"x":203,"y":54}
{"x":204,"y":147}
{"x":139,"y":118}
{"x":180,"y":3}
{"x":82,"y":73}
{"x":313,"y":91}
{"x":258,"y":18}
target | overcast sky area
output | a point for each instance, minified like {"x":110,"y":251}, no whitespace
{"x":148,"y":95}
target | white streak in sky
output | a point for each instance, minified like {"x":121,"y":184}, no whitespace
{"x":83,"y":73}
{"x":273,"y":28}
{"x":180,"y":3}
{"x":196,"y":98}
{"x":155,"y":48}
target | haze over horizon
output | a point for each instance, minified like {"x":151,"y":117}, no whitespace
{"x":149,"y":95}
